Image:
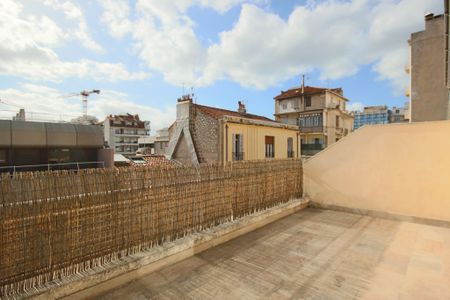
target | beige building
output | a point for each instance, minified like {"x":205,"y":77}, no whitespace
{"x":203,"y":134}
{"x":320,"y":113}
{"x":429,"y":95}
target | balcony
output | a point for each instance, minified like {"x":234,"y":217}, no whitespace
{"x":311,"y":129}
{"x":311,"y":149}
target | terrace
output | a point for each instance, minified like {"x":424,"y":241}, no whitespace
{"x":312,"y":254}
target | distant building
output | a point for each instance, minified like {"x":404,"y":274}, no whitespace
{"x":429,"y":94}
{"x":154,"y":145}
{"x":203,"y":134}
{"x":32,"y":146}
{"x":371,"y":115}
{"x":20,"y":116}
{"x":399,"y":114}
{"x":122,"y":133}
{"x":319,"y":112}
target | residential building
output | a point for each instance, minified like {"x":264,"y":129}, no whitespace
{"x":320,"y":114}
{"x":162,"y":141}
{"x":31,"y":146}
{"x":154,"y":145}
{"x":122,"y":133}
{"x":429,"y":94}
{"x":203,"y":134}
{"x":371,"y":115}
{"x":399,"y":114}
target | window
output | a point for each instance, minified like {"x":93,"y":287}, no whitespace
{"x":307,"y":101}
{"x":284,"y":104}
{"x":270,"y":146}
{"x":316,"y":141}
{"x":3,"y":157}
{"x":238,"y":147}
{"x":290,"y":147}
{"x":310,"y":121}
{"x":58,"y":156}
{"x":337,"y":121}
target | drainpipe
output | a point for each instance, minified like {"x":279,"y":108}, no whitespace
{"x":226,"y":142}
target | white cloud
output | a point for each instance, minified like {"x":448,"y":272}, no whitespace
{"x":27,"y":45}
{"x":73,"y":12}
{"x":262,"y":49}
{"x":43,"y":103}
{"x":355,"y":106}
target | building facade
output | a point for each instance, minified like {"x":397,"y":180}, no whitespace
{"x":122,"y":133}
{"x":399,"y":114}
{"x":429,"y":94}
{"x":320,"y":114}
{"x":371,"y":115}
{"x":154,"y":145}
{"x":203,"y":134}
{"x":32,"y":146}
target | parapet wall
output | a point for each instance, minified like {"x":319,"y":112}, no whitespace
{"x":401,"y":169}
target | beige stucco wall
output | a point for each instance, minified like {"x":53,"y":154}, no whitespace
{"x":254,"y":140}
{"x":397,"y":168}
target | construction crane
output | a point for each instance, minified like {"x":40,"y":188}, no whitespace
{"x":84,"y":99}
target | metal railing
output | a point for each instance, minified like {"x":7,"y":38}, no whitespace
{"x":238,"y":156}
{"x":312,"y":146}
{"x":311,"y":129}
{"x":53,"y":167}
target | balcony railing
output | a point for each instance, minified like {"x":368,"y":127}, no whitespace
{"x":238,"y":156}
{"x":312,"y":147}
{"x":311,"y":129}
{"x":290,"y":154}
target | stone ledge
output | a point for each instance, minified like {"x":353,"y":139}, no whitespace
{"x":98,"y":280}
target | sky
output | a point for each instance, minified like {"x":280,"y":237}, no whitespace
{"x":144,"y":54}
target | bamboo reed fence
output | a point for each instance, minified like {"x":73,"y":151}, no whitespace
{"x":60,"y":223}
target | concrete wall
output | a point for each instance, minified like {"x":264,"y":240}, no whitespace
{"x":429,"y":93}
{"x":254,"y":140}
{"x":397,"y":168}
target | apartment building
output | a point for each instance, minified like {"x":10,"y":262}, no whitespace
{"x":203,"y":134}
{"x":399,"y":114}
{"x":320,"y":114}
{"x":429,"y":93}
{"x":122,"y":133}
{"x":371,"y":115}
{"x":154,"y":145}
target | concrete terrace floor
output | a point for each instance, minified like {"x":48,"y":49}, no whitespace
{"x":312,"y":254}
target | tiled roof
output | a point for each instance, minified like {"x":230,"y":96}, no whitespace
{"x":309,"y":90}
{"x":219,"y":113}
{"x":127,"y":117}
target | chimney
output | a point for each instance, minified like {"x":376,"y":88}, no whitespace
{"x":241,"y":108}
{"x":184,"y":106}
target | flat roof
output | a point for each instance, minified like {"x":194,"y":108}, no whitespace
{"x":312,"y":254}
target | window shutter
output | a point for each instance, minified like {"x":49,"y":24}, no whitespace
{"x":241,"y":143}
{"x":233,"y":148}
